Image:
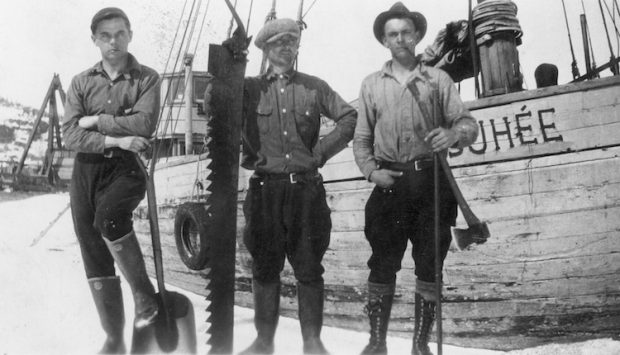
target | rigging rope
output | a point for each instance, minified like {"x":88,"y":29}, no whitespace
{"x":155,"y":149}
{"x":187,"y":45}
{"x":232,"y":21}
{"x":174,"y":68}
{"x":201,"y":26}
{"x":247,"y":24}
{"x":309,"y":7}
{"x":271,"y":15}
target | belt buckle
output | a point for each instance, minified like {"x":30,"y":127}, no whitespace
{"x":292,"y":178}
{"x":109,"y":154}
{"x":416,"y":165}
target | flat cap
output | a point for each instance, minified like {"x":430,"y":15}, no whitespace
{"x":106,"y":14}
{"x":275,"y":29}
{"x":398,"y":10}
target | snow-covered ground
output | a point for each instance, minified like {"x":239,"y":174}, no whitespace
{"x":46,"y":307}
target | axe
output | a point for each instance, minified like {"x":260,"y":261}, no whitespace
{"x":477,"y":231}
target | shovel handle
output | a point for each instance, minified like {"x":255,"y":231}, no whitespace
{"x":154,"y":226}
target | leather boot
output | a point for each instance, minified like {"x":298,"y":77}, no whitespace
{"x":108,"y":299}
{"x":128,"y":256}
{"x":266,"y":315}
{"x":380,"y":298}
{"x":310,"y":300}
{"x":425,"y":316}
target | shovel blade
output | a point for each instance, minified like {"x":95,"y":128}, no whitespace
{"x":175,"y":335}
{"x":475,"y":234}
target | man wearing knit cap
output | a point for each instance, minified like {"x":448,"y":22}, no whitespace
{"x":285,"y":208}
{"x":393,"y":146}
{"x":110,"y":113}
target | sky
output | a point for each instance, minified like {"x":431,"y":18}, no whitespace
{"x":40,"y":38}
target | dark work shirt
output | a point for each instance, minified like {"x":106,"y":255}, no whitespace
{"x":282,"y":120}
{"x":127,"y":105}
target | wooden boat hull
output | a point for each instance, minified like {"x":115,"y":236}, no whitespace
{"x":543,"y":175}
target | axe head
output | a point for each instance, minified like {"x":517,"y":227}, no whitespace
{"x":475,"y":234}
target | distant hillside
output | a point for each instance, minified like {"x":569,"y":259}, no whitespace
{"x":16,"y":122}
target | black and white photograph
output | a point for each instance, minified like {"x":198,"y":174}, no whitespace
{"x":340,"y":177}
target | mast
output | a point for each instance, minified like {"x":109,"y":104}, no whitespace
{"x":592,"y":72}
{"x":586,"y":44}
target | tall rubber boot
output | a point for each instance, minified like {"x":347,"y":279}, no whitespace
{"x":310,"y":300}
{"x":422,"y":331}
{"x":266,"y":315}
{"x":379,"y":307}
{"x":108,"y":299}
{"x":128,"y":256}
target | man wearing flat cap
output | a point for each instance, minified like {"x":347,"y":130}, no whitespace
{"x":393,"y":145}
{"x":285,"y":208}
{"x":110,"y":113}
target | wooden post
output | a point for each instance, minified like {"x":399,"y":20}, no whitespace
{"x":586,"y":43}
{"x":189,"y":104}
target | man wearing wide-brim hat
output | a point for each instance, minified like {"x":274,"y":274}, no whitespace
{"x":286,"y":213}
{"x":394,"y":141}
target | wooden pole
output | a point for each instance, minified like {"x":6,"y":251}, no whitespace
{"x":586,"y":44}
{"x":35,"y":126}
{"x":437,"y":236}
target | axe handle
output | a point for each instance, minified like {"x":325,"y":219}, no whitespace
{"x":468,"y":214}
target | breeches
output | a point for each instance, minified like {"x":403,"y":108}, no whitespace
{"x":406,"y":212}
{"x":104,"y":192}
{"x":285,"y":220}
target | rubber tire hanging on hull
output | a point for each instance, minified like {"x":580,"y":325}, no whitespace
{"x":191,"y":234}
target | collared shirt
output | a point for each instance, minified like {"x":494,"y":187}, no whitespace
{"x":282,"y":120}
{"x":391,"y":126}
{"x":127,"y":105}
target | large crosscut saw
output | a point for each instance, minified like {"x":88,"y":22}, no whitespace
{"x":227,"y":63}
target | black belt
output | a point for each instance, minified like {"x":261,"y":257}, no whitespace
{"x":292,"y":178}
{"x":112,"y":153}
{"x":109,"y":153}
{"x":416,"y":165}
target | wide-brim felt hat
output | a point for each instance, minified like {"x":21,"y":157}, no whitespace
{"x":398,"y":10}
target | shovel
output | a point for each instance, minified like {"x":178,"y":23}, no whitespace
{"x":174,"y":329}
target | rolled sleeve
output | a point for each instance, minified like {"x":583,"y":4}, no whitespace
{"x":364,"y":137}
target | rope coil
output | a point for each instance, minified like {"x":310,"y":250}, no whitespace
{"x":496,"y":16}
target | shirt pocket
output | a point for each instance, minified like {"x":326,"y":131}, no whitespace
{"x":264,"y":111}
{"x":307,"y":118}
